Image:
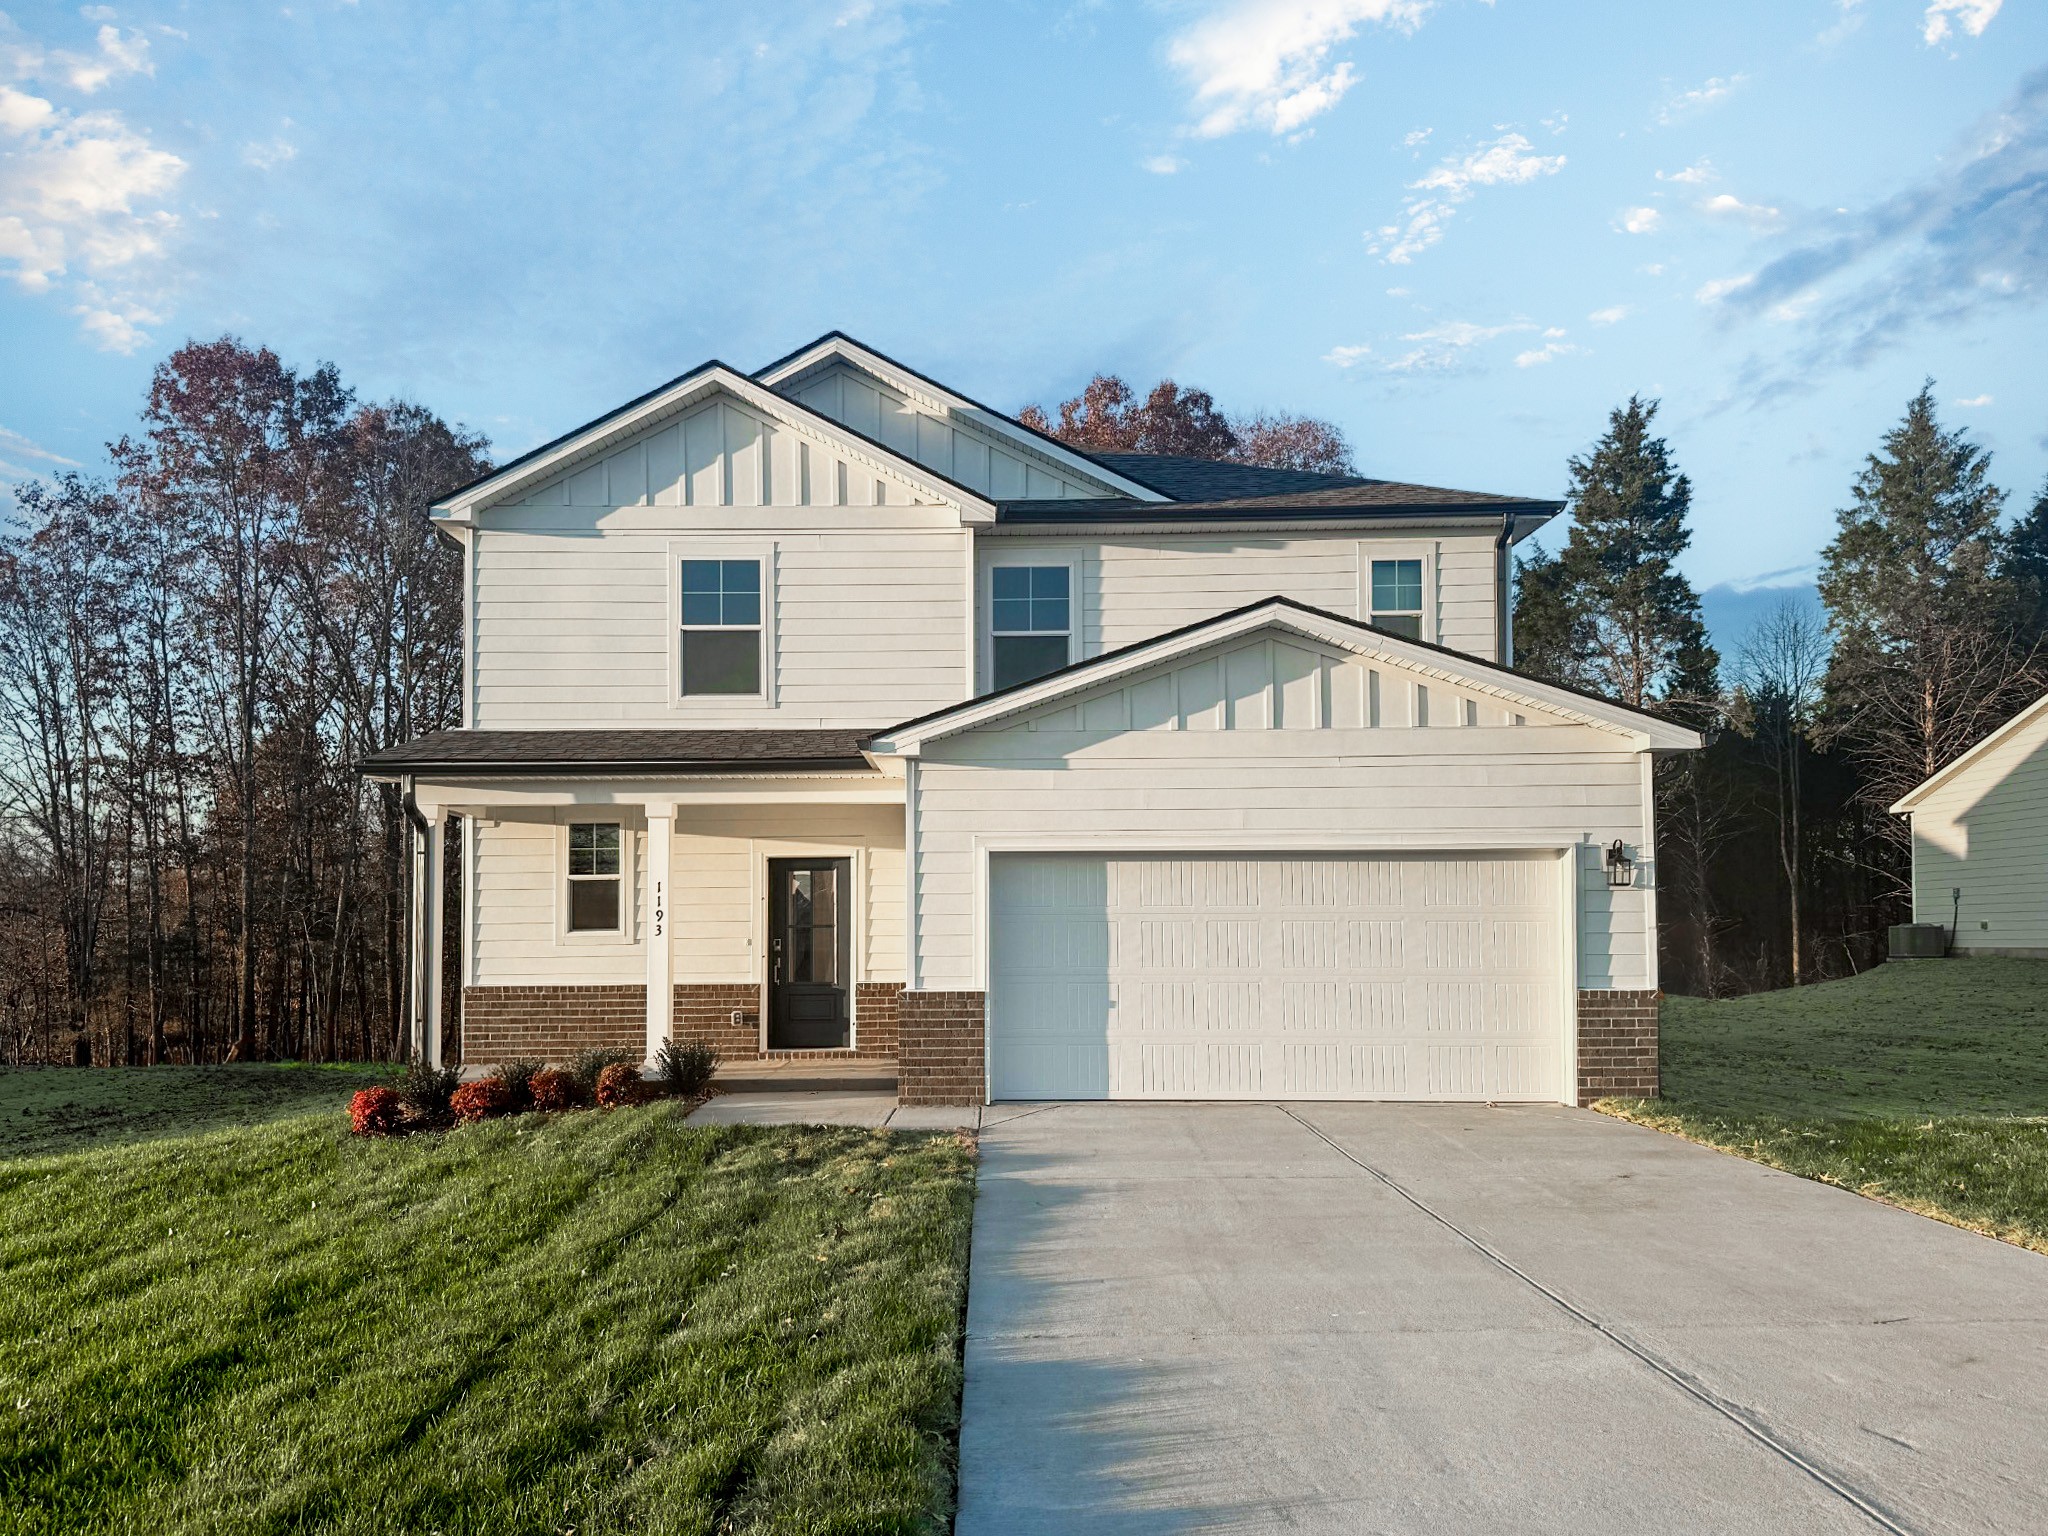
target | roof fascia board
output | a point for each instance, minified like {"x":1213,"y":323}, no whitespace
{"x":837,"y":345}
{"x":1643,"y":732}
{"x":677,"y":396}
{"x":1942,"y":777}
{"x":1165,"y":521}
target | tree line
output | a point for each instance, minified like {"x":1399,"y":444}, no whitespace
{"x":196,"y":648}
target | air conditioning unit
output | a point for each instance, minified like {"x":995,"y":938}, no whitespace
{"x":1919,"y":941}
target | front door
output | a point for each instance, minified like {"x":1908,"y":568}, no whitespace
{"x":809,"y":953}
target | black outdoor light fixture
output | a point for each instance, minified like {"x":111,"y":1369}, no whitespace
{"x":1621,"y":869}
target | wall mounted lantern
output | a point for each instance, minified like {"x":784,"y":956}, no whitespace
{"x":1621,"y":869}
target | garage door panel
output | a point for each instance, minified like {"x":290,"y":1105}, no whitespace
{"x":1277,"y":976}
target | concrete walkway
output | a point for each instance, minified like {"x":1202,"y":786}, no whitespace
{"x":831,"y":1107}
{"x":1378,"y":1318}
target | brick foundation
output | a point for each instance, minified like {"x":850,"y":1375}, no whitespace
{"x":1618,"y":1045}
{"x":550,"y":1023}
{"x":877,"y":1022}
{"x":939,"y":1048}
{"x":704,"y":1012}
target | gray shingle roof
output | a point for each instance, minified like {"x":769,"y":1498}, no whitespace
{"x":474,"y":752}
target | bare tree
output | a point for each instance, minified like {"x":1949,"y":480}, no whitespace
{"x":1782,"y":665}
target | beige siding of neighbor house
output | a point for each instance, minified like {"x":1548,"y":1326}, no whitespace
{"x":1133,"y":587}
{"x":717,"y":873}
{"x":1986,"y":831}
{"x":1285,"y":745}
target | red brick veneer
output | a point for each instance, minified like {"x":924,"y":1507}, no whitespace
{"x":1618,"y":1045}
{"x":876,"y":1021}
{"x":550,"y":1023}
{"x":704,"y":1012}
{"x":939,"y":1048}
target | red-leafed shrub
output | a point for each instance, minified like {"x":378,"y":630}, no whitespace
{"x":484,"y":1099}
{"x":551,"y":1090}
{"x":376,"y":1112}
{"x":619,"y":1084}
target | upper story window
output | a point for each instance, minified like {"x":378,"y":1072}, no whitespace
{"x":1030,"y":622}
{"x":721,"y":627}
{"x":1397,"y":597}
{"x":595,"y":875}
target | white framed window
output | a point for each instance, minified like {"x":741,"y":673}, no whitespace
{"x":722,"y":613}
{"x":1031,"y":620}
{"x":595,"y":898}
{"x":1397,"y":589}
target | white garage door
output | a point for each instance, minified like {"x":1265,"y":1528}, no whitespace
{"x":1384,"y":976}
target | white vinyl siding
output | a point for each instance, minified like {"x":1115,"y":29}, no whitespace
{"x":1986,"y":831}
{"x":717,"y":897}
{"x":1133,"y":587}
{"x":1276,"y":976}
{"x":575,"y":628}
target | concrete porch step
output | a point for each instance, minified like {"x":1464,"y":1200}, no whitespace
{"x":811,"y":1074}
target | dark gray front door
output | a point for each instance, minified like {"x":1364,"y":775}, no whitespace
{"x":810,"y":949}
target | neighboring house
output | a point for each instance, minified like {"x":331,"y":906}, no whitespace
{"x":1980,"y":842}
{"x":823,"y":709}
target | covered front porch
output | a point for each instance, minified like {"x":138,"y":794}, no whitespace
{"x":756,"y":907}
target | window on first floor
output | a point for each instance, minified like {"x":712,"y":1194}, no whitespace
{"x":721,"y":627}
{"x":596,"y":872}
{"x":1030,"y":622}
{"x":1397,"y":597}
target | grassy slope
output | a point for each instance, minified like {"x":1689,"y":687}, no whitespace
{"x":603,"y":1321}
{"x":1922,"y":1084}
{"x":66,"y":1109}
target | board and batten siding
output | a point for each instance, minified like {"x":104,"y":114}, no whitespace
{"x":717,"y":872}
{"x":1986,"y":832}
{"x":577,"y":625}
{"x":1132,"y":587}
{"x":1278,"y":745}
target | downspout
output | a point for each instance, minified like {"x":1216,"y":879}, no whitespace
{"x":1504,"y":639}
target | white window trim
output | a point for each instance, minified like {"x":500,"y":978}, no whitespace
{"x":985,"y":627}
{"x":1370,"y":550}
{"x":631,"y":831}
{"x":719,"y":548}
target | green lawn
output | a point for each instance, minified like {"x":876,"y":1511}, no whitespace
{"x":1925,"y":1084}
{"x":65,"y":1109}
{"x":603,"y":1321}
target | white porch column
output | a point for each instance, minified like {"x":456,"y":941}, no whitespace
{"x":661,"y":825}
{"x":427,"y":963}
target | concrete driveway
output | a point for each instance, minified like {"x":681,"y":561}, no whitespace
{"x":1374,"y":1318}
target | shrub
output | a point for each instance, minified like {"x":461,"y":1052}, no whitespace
{"x":620,"y":1083}
{"x":484,"y":1099}
{"x":551,"y":1091}
{"x":587,"y":1066}
{"x":518,"y":1076}
{"x":376,"y":1112}
{"x":683,"y":1067}
{"x":426,"y":1090}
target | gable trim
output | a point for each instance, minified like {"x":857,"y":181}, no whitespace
{"x":1941,"y":778}
{"x":671,"y":399}
{"x":1646,"y":732}
{"x":907,"y":380}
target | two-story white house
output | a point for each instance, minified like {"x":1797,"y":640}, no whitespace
{"x":823,"y":709}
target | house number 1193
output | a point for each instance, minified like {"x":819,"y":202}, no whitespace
{"x":660,"y":910}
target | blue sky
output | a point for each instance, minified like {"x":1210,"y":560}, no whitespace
{"x":1461,"y":230}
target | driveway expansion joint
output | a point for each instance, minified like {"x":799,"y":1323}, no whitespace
{"x":1865,"y":1504}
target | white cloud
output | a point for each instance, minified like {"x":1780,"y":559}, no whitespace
{"x":80,"y":198}
{"x":1163,"y":165}
{"x":1711,"y":93}
{"x":16,"y":445}
{"x":1725,"y":205}
{"x":1973,"y":16}
{"x":1444,"y":346}
{"x":1614,"y":314}
{"x":269,"y":154}
{"x":1416,"y":137}
{"x":1692,"y":175}
{"x":1654,"y":269}
{"x":1267,"y":64}
{"x":1721,"y":287}
{"x":116,"y":54}
{"x":1348,"y":357}
{"x":1971,"y":404}
{"x":1506,"y":161}
{"x":1639,"y":221}
{"x":1550,"y":351}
